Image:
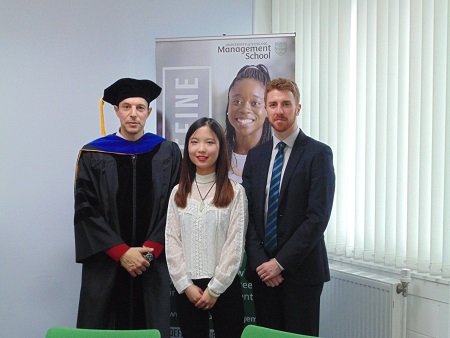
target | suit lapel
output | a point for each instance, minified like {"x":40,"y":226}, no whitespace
{"x":297,"y":151}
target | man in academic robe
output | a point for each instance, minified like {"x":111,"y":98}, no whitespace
{"x":122,"y":187}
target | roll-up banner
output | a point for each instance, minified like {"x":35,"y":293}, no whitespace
{"x":196,"y":75}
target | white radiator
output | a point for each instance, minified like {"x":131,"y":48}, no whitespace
{"x":357,"y":304}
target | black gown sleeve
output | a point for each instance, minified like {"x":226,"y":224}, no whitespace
{"x":93,"y":221}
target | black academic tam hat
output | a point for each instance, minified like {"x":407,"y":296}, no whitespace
{"x":125,"y":88}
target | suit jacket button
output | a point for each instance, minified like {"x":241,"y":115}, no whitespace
{"x":261,"y":244}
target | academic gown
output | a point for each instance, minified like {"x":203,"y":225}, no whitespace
{"x":122,"y":190}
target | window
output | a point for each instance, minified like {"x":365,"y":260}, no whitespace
{"x":374,"y":78}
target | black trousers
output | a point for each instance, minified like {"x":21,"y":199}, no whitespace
{"x":288,"y":307}
{"x":227,"y":314}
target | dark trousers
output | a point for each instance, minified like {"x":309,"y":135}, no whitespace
{"x":227,"y":314}
{"x":287,"y":307}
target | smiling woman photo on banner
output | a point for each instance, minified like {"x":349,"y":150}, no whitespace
{"x":246,"y":122}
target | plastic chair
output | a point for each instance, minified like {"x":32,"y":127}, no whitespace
{"x":66,"y":332}
{"x":253,"y":331}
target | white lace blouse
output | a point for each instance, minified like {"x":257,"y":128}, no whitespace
{"x":203,"y":241}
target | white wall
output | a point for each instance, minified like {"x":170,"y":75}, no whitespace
{"x":56,"y":57}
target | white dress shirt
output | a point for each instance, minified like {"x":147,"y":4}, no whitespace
{"x":289,"y":141}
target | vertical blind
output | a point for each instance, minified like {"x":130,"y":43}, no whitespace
{"x":374,"y":77}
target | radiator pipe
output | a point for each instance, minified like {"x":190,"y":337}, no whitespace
{"x":402,"y":287}
{"x":405,"y":279}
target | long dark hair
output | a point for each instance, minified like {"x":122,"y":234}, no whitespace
{"x":258,"y":73}
{"x":224,"y":189}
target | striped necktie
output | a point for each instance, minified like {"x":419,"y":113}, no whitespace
{"x":270,"y":241}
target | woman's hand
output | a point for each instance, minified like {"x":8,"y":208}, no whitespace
{"x":194,"y":293}
{"x":206,"y":302}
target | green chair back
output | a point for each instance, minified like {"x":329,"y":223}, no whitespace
{"x":253,"y":331}
{"x":66,"y":332}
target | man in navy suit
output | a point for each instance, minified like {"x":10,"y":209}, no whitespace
{"x":288,"y":277}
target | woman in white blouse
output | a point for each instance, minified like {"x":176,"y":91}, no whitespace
{"x":205,"y":236}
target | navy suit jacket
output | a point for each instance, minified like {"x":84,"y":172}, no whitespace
{"x":305,"y":203}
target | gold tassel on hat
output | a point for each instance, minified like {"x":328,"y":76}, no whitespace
{"x":102,"y":118}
